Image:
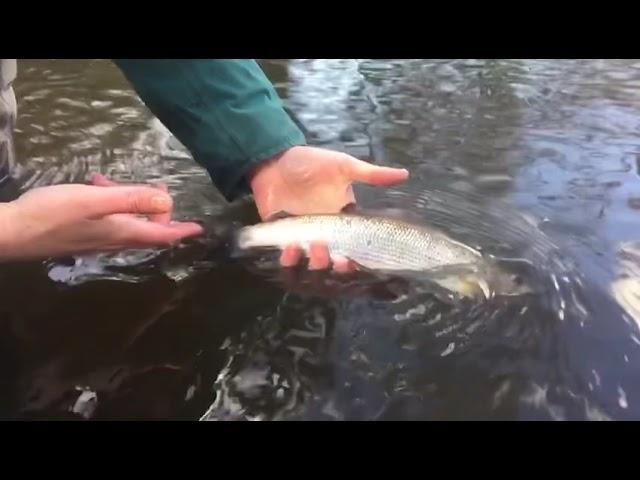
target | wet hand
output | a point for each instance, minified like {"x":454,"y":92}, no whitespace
{"x":308,"y":180}
{"x":73,"y":219}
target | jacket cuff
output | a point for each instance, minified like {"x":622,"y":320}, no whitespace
{"x":259,"y":130}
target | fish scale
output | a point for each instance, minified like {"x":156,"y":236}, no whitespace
{"x":387,"y":244}
{"x":373,"y":242}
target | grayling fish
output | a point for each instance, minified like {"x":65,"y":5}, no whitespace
{"x":389,"y":245}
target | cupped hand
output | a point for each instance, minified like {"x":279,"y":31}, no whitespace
{"x":309,"y":180}
{"x":73,"y":219}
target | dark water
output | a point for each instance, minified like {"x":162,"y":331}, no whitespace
{"x":531,"y":160}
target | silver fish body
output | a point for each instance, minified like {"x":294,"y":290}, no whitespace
{"x":383,"y":244}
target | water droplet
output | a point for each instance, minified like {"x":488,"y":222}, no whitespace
{"x":448,"y":350}
{"x":622,"y":399}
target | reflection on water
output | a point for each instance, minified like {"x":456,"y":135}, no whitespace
{"x":535,"y":162}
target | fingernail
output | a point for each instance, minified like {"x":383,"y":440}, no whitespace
{"x":161,"y":202}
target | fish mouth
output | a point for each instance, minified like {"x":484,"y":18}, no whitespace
{"x":242,"y":242}
{"x":241,"y":238}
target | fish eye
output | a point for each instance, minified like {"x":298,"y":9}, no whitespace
{"x":517,"y":279}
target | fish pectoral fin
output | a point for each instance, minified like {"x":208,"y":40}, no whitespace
{"x":488,"y":293}
{"x":467,"y":287}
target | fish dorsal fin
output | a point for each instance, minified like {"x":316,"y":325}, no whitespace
{"x":279,"y":215}
{"x":349,"y":208}
{"x":387,"y":212}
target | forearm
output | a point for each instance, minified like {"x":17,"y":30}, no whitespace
{"x":8,"y":112}
{"x":7,"y":241}
{"x":226,"y":112}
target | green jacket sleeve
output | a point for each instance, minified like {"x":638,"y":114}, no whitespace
{"x":226,"y":112}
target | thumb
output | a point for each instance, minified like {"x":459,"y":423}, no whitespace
{"x":100,"y":201}
{"x":361,"y":171}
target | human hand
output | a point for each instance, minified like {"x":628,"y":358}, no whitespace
{"x":73,"y":219}
{"x":306,"y":180}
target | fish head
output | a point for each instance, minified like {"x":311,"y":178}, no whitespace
{"x":506,"y":283}
{"x":482,"y":281}
{"x":487,"y":283}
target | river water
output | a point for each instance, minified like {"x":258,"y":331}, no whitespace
{"x":536,"y":161}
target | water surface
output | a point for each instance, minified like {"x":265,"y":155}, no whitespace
{"x":530,"y":160}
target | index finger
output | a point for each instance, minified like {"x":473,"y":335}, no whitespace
{"x":98,"y":202}
{"x":100,"y":180}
